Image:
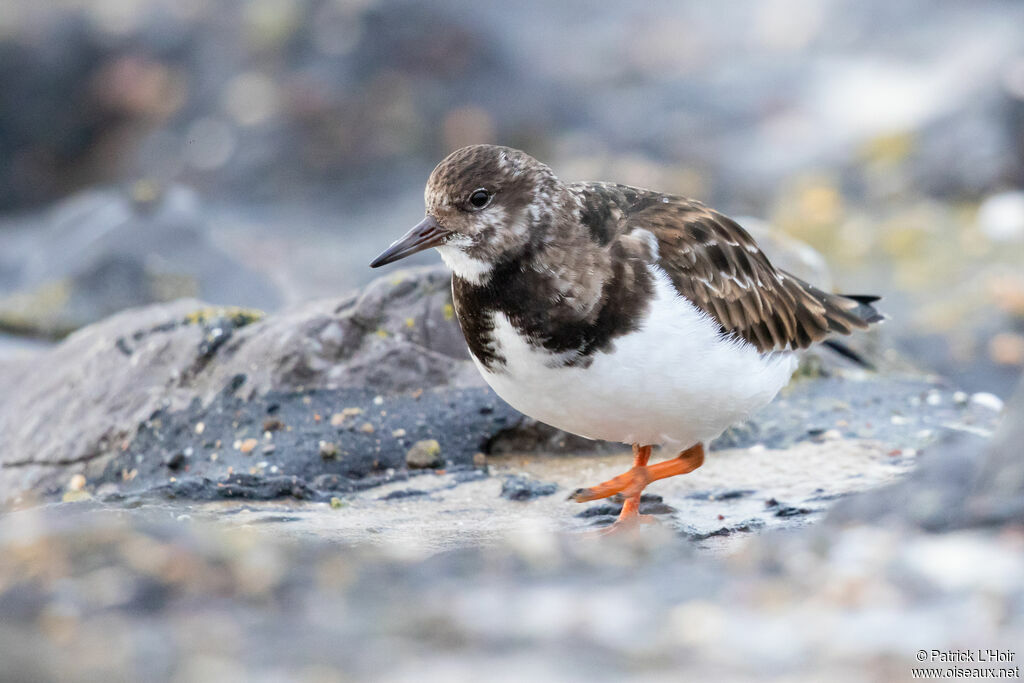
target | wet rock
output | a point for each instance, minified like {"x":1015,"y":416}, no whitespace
{"x":743,"y":527}
{"x":236,"y":486}
{"x":403,"y":494}
{"x":606,"y":511}
{"x":523,"y":488}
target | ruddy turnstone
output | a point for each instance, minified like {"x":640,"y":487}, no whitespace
{"x":615,"y":312}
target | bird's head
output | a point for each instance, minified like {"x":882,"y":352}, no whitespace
{"x":484,"y":204}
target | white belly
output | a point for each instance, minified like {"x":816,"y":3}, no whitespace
{"x":676,"y":381}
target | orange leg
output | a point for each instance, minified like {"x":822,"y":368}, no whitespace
{"x":631,"y":506}
{"x":632,"y":483}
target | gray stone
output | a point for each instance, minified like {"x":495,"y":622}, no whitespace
{"x":80,"y":403}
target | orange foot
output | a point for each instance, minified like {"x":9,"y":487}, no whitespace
{"x":632,"y":483}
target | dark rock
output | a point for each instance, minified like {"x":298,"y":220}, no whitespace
{"x":522,"y":488}
{"x":721,"y":495}
{"x":237,"y":486}
{"x":650,"y":504}
{"x":403,"y":494}
{"x":792,"y":511}
{"x":740,"y":527}
{"x":527,"y":435}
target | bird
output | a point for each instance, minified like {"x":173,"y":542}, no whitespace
{"x":614,"y":312}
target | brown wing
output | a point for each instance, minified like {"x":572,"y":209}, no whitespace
{"x":716,"y":264}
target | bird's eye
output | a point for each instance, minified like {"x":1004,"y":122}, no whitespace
{"x":479,"y":199}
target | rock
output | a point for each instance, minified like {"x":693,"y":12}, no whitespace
{"x":85,"y":399}
{"x":521,"y":488}
{"x":105,"y":250}
{"x":423,"y":454}
{"x":328,"y":450}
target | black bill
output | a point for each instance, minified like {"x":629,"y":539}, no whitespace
{"x":427,"y":233}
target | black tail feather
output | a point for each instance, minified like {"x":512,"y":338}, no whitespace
{"x":865,"y":311}
{"x":863,"y":298}
{"x":848,"y":353}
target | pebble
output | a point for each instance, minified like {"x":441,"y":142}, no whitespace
{"x":987,"y":400}
{"x":248,"y":445}
{"x":378,"y":400}
{"x":338,"y":419}
{"x":367,"y":428}
{"x":77,"y":483}
{"x":426,"y":453}
{"x":200,"y":427}
{"x":398,"y":433}
{"x":328,"y":449}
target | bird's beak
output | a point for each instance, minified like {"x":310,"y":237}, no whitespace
{"x":427,"y":233}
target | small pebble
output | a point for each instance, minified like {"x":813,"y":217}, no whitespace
{"x":328,"y":450}
{"x":426,"y":453}
{"x":339,"y":418}
{"x":248,"y":445}
{"x":378,"y":400}
{"x":398,"y":433}
{"x":336,"y":503}
{"x":77,"y":483}
{"x":200,"y":427}
{"x":367,"y":428}
{"x":987,"y":400}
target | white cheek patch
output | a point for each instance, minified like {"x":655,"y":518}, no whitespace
{"x":462,"y":264}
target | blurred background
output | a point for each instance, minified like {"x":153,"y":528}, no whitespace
{"x":260,"y":152}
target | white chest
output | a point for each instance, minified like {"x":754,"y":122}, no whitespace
{"x":675,"y":381}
